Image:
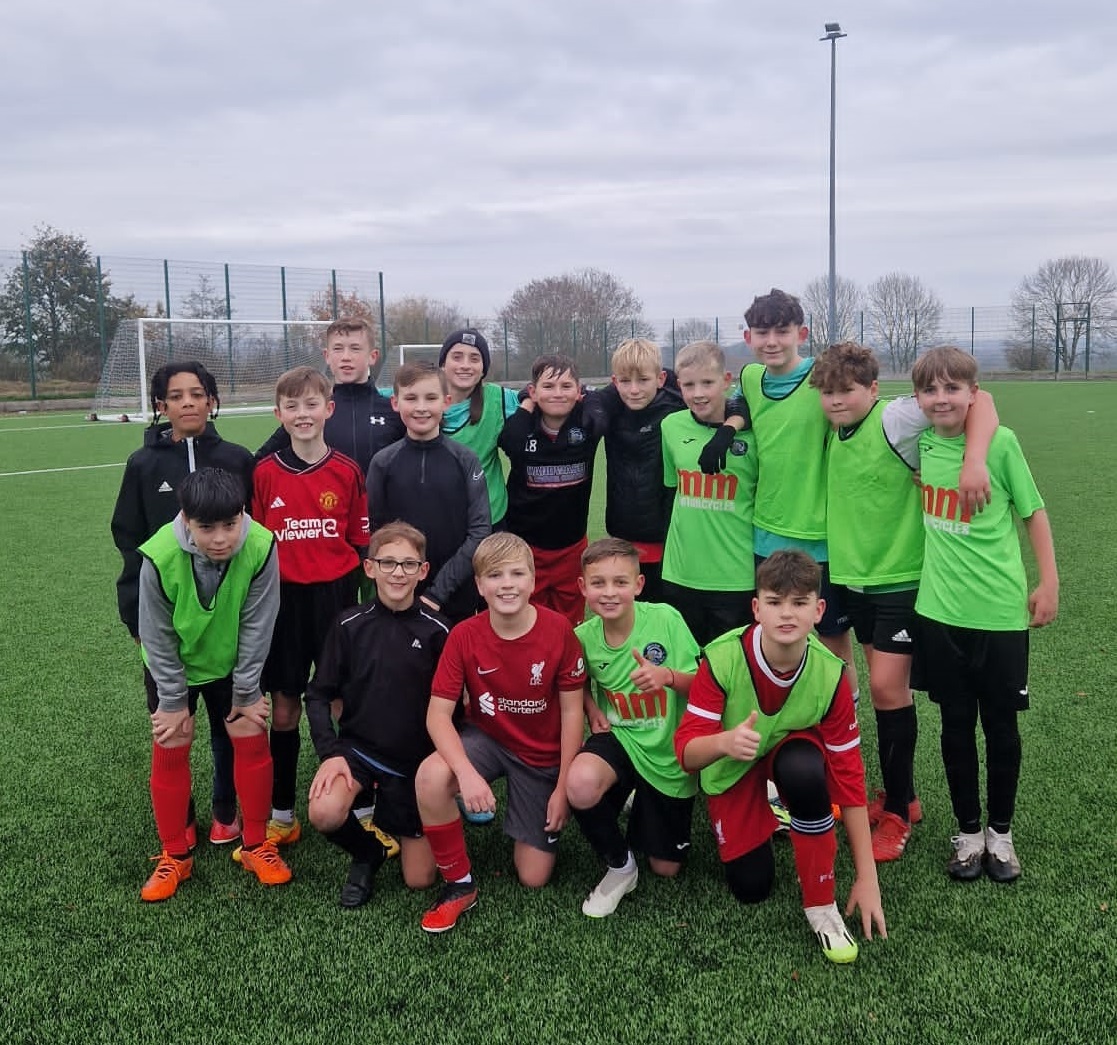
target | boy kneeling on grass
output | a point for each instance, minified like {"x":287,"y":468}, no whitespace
{"x":771,"y":702}
{"x":377,"y":663}
{"x":209,"y":595}
{"x":522,"y":668}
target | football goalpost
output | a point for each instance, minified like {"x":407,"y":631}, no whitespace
{"x":245,"y":357}
{"x":405,"y":354}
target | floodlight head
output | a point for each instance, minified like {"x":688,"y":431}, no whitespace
{"x":833,"y":31}
{"x":832,"y":27}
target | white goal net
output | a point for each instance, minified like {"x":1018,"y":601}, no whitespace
{"x":245,"y":357}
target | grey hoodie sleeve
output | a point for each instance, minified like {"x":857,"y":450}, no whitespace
{"x":458,"y":569}
{"x":160,"y":641}
{"x":257,"y":621}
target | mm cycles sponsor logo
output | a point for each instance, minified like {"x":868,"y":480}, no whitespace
{"x":711,"y":492}
{"x":306,"y":529}
{"x":944,"y":510}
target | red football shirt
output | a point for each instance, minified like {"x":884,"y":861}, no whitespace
{"x":319,"y":515}
{"x":514,"y":684}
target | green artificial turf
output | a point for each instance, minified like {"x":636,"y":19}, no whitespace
{"x":83,"y":960}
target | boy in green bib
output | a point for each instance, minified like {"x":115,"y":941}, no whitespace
{"x":974,"y":610}
{"x":770,"y":702}
{"x":874,"y":535}
{"x":640,"y":658}
{"x":209,"y":595}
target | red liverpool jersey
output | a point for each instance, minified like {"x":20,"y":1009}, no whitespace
{"x":514,"y":684}
{"x":319,"y":514}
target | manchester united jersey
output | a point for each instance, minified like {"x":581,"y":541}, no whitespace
{"x":317,"y":512}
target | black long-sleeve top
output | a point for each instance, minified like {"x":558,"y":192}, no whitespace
{"x":380,"y":664}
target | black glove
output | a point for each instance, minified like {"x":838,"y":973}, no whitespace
{"x":712,"y":458}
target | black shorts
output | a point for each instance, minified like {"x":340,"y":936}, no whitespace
{"x":835,"y":619}
{"x":218,"y":695}
{"x":966,"y":664}
{"x":883,"y":620}
{"x":709,"y":614}
{"x":659,"y":825}
{"x":397,"y":811}
{"x":306,"y":612}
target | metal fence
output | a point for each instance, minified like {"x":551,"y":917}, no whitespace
{"x":57,"y":323}
{"x":58,"y":315}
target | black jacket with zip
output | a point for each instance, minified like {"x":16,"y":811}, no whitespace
{"x":363,"y":423}
{"x":148,"y":497}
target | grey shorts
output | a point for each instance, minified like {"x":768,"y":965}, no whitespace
{"x":529,"y":788}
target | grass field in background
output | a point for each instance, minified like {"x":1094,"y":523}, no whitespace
{"x":83,"y":960}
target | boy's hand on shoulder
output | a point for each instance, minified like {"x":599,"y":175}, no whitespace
{"x":974,"y":487}
{"x":335,"y":768}
{"x":742,"y":742}
{"x":170,"y":725}
{"x":1043,"y":605}
{"x":647,"y":676}
{"x":864,"y":895}
{"x":711,"y":459}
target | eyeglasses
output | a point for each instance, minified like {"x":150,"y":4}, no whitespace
{"x":409,"y":566}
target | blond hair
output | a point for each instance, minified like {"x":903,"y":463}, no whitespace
{"x":500,"y":549}
{"x":636,"y":355}
{"x":700,"y":353}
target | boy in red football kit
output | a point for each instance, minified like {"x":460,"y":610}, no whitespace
{"x":771,"y":702}
{"x":313,"y":499}
{"x":523,"y":670}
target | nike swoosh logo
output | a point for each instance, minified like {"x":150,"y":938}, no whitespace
{"x":478,"y":476}
{"x":552,"y":839}
{"x":486,"y":671}
{"x":683,"y":845}
{"x":691,"y":440}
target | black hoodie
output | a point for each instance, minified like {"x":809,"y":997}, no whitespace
{"x":148,"y":497}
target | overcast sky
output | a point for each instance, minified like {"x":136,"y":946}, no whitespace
{"x":465,"y":147}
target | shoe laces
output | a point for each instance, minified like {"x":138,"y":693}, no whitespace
{"x":1000,"y":846}
{"x":892,"y":828}
{"x":266,"y":853}
{"x":165,"y":865}
{"x":827,"y":920}
{"x":967,"y":846}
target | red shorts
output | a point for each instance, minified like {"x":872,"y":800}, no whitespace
{"x":741,"y":817}
{"x":557,"y":572}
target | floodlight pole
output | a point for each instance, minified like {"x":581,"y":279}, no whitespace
{"x":833,"y":34}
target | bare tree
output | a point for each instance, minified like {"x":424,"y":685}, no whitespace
{"x":903,"y":317}
{"x":1077,"y":292}
{"x":205,"y":301}
{"x":583,"y":314}
{"x":326,"y":305}
{"x":421,"y":321}
{"x":688,"y":330}
{"x":849,"y":300}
